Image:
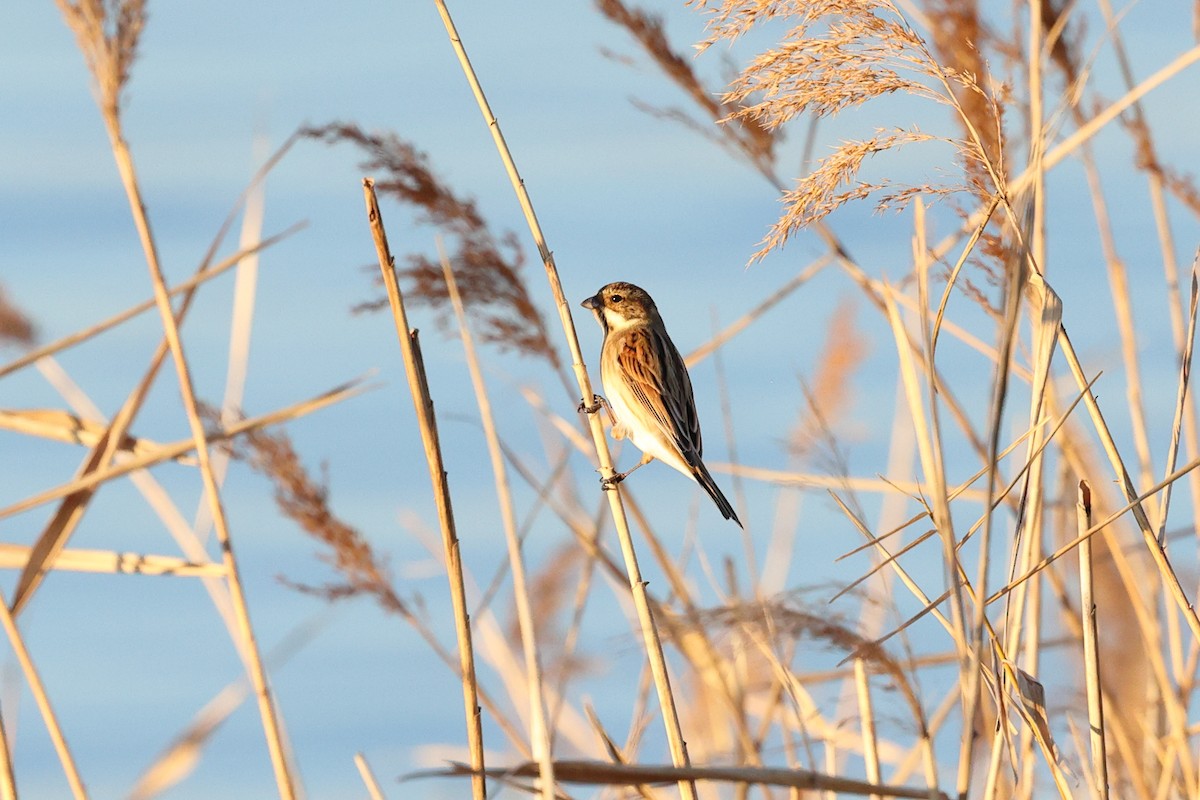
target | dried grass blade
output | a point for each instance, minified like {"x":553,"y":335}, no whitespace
{"x":737,"y":326}
{"x":368,"y":777}
{"x":15,"y":556}
{"x":62,"y":426}
{"x":934,"y":473}
{"x":173,"y":450}
{"x":1157,"y":553}
{"x":1185,"y":371}
{"x":598,"y":773}
{"x":1096,"y":528}
{"x":205,"y":274}
{"x":240,"y":327}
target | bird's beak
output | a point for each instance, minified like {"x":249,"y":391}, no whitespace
{"x":592,"y":302}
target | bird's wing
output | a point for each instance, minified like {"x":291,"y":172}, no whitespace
{"x":658,"y":378}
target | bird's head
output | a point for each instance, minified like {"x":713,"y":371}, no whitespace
{"x":621,"y":304}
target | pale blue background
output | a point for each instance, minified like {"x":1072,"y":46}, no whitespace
{"x":620,"y":196}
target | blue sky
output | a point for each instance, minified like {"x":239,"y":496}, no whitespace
{"x":620,"y":195}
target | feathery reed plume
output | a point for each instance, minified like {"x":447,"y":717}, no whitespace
{"x":744,"y":137}
{"x":488,"y":267}
{"x":14,"y":326}
{"x":959,"y":36}
{"x":107,"y":32}
{"x":305,"y":500}
{"x":839,"y":56}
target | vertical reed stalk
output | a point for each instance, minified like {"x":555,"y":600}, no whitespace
{"x":653,"y":645}
{"x":539,"y":729}
{"x":414,"y":367}
{"x":1091,"y":657}
{"x":866,"y":721}
{"x":251,"y":656}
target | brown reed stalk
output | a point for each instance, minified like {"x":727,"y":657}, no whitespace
{"x":1091,"y":653}
{"x":539,"y":729}
{"x":653,"y":645}
{"x":598,"y":773}
{"x":414,"y":367}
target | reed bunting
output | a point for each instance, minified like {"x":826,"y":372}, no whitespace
{"x":648,"y":387}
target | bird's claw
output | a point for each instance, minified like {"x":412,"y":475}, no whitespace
{"x":609,"y":484}
{"x":597,"y":404}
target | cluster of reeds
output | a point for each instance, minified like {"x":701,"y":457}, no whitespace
{"x":1054,"y":546}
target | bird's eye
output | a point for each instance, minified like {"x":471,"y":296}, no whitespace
{"x":616,"y":298}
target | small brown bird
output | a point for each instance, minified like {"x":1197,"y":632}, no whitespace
{"x":648,"y":387}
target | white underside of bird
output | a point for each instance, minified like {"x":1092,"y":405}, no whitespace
{"x":652,"y":442}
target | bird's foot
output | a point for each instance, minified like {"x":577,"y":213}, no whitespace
{"x":597,"y":403}
{"x":609,"y":484}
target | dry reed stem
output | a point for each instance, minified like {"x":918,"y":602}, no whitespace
{"x":70,"y":512}
{"x":109,"y":56}
{"x":493,"y":643}
{"x":694,"y":641}
{"x":1157,"y":553}
{"x":8,"y":782}
{"x":15,"y":556}
{"x":866,"y":717}
{"x":155,"y":496}
{"x":60,"y":426}
{"x":173,"y":450}
{"x":253,"y":660}
{"x":598,"y":773}
{"x":368,"y":777}
{"x":203,"y":275}
{"x":1159,"y":695}
{"x":1182,"y":407}
{"x":808,"y":480}
{"x":658,"y":664}
{"x":933,"y":469}
{"x":414,"y":368}
{"x":1091,"y":655}
{"x":1096,"y":528}
{"x":1082,"y":134}
{"x":539,"y":729}
{"x":42,"y":699}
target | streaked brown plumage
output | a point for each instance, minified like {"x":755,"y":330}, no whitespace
{"x":647,"y":386}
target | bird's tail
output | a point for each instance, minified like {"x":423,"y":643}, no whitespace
{"x":700,"y":473}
